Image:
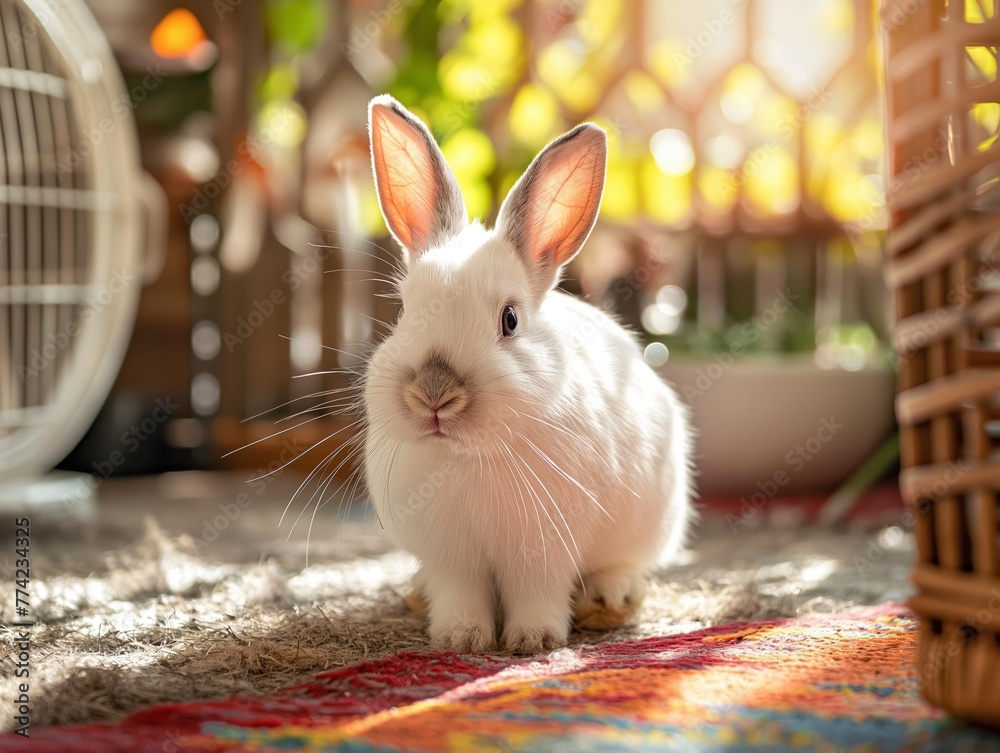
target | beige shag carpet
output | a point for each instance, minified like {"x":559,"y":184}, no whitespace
{"x":167,"y":618}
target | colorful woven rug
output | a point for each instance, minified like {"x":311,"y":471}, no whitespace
{"x":837,"y":683}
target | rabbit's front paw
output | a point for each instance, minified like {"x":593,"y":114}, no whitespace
{"x":467,"y":635}
{"x":530,"y":639}
{"x":609,"y":598}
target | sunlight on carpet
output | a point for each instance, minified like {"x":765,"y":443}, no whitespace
{"x":842,"y":682}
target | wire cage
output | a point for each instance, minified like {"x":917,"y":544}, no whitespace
{"x":71,"y":215}
{"x":943,"y":252}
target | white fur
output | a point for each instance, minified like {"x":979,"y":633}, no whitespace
{"x":571,"y":462}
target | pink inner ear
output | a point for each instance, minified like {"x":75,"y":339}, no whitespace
{"x":404,"y":172}
{"x":565,"y":202}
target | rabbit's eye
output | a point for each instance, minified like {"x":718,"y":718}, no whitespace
{"x":508,"y":322}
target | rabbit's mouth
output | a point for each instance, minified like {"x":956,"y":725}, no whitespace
{"x":442,"y":432}
{"x":433,"y":427}
{"x":439,"y":431}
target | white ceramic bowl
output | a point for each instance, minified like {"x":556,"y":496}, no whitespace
{"x":780,"y":424}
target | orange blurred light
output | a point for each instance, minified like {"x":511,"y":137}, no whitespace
{"x":177,"y":35}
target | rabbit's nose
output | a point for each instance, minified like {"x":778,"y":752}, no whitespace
{"x":436,"y":390}
{"x":445,"y":405}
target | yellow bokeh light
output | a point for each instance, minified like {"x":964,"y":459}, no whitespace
{"x":836,"y":17}
{"x":533,"y":115}
{"x":824,"y":143}
{"x":775,"y":113}
{"x":987,"y":115}
{"x":984,"y":60}
{"x":665,"y":198}
{"x":371,"y":215}
{"x":545,"y":82}
{"x":281,"y":82}
{"x":669,"y":63}
{"x":582,"y":94}
{"x":559,"y":63}
{"x":486,"y":62}
{"x":480,"y":12}
{"x":717,"y":187}
{"x":643,"y":92}
{"x":464,"y":78}
{"x":282,"y":123}
{"x":562,"y":66}
{"x":498,"y":43}
{"x":974,"y":11}
{"x":817,"y":173}
{"x":470,"y":153}
{"x":621,"y":193}
{"x":478,"y":197}
{"x":866,"y":139}
{"x":844,"y":197}
{"x":672,"y":151}
{"x":823,"y":132}
{"x":771,"y":181}
{"x":599,"y":21}
{"x":747,"y":79}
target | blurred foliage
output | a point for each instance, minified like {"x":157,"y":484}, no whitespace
{"x":699,"y":126}
{"x":516,"y":74}
{"x":296,"y":26}
{"x":449,"y":87}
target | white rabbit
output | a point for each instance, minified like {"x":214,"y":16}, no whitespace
{"x":516,"y":441}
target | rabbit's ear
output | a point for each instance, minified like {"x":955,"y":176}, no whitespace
{"x":417,"y":191}
{"x":551,"y":210}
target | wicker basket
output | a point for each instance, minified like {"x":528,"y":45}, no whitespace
{"x":944,"y":275}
